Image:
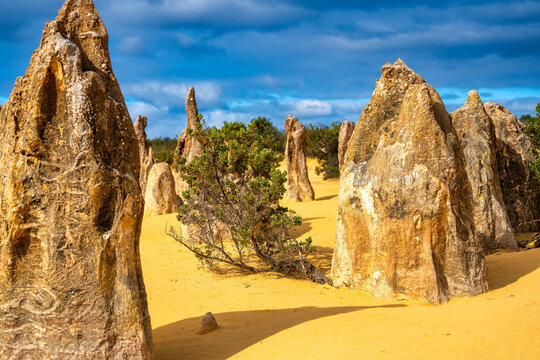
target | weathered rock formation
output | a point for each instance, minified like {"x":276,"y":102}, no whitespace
{"x":476,"y":134}
{"x":146,"y":155}
{"x":298,"y":185}
{"x":345,"y":132}
{"x":520,"y":187}
{"x":160,"y":197}
{"x":187,"y":146}
{"x":404,"y":210}
{"x":71,"y":285}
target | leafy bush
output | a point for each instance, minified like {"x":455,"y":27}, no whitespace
{"x":164,"y":149}
{"x":272,"y":138}
{"x":533,"y":129}
{"x":322,"y":143}
{"x":231,"y":213}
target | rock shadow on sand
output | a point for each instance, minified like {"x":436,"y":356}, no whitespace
{"x":300,"y":230}
{"x":238,"y":331}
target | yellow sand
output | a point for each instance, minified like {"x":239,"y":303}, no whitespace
{"x":271,"y":317}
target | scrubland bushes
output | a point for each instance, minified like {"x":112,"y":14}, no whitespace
{"x":231,"y":213}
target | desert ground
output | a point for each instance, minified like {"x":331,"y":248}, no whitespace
{"x":268,"y":316}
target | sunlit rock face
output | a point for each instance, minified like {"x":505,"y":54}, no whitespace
{"x":476,"y":134}
{"x":146,"y":155}
{"x":345,"y":132}
{"x":405,"y":214}
{"x":298,"y":184}
{"x":160,"y":197}
{"x":188,"y":146}
{"x":519,"y":185}
{"x":71,"y":284}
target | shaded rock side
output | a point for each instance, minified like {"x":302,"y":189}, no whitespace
{"x":345,"y":132}
{"x":519,"y":185}
{"x":298,"y":184}
{"x":476,"y":134}
{"x":71,"y":284}
{"x":146,"y":154}
{"x":160,"y":197}
{"x":187,"y":146}
{"x":404,"y":224}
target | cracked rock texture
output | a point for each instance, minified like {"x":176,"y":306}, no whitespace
{"x":519,"y":185}
{"x":187,"y":146}
{"x":71,"y":284}
{"x":345,"y":132}
{"x":160,"y":197}
{"x":476,"y":134}
{"x":298,"y":184}
{"x":404,"y":210}
{"x":146,"y":154}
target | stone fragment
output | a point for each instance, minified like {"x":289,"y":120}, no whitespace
{"x":405,"y":213}
{"x":298,"y":185}
{"x":208,"y":324}
{"x":146,"y":154}
{"x":160,"y":197}
{"x":476,"y":134}
{"x":345,"y":132}
{"x":71,"y":284}
{"x":519,"y":185}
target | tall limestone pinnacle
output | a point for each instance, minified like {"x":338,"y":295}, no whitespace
{"x":404,"y":223}
{"x":71,"y":284}
{"x":476,"y":133}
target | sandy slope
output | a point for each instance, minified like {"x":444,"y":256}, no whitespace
{"x":271,"y":317}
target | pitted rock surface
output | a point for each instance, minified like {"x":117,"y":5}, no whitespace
{"x":345,"y":132}
{"x":146,"y":155}
{"x":71,"y":284}
{"x":298,"y":184}
{"x":160,"y":197}
{"x":519,"y":185}
{"x":187,"y":146}
{"x":476,"y":134}
{"x":404,"y":223}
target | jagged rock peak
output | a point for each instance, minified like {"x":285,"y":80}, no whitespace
{"x":71,"y":282}
{"x":79,"y":22}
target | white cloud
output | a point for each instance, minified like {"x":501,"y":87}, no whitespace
{"x":137,"y":108}
{"x":310,"y":108}
{"x":173,"y":94}
{"x":218,"y":117}
{"x":131,"y":45}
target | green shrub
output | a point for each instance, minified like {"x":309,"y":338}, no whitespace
{"x":322,"y":143}
{"x":533,"y":129}
{"x":164,"y":149}
{"x":231,"y":208}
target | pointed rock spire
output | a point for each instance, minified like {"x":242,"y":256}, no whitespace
{"x":70,"y":274}
{"x":476,"y":133}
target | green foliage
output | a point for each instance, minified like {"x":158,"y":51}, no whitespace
{"x":272,"y":138}
{"x":164,"y":149}
{"x":533,"y":129}
{"x":322,"y":144}
{"x":231,"y":208}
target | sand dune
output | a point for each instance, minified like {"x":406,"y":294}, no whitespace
{"x":272,"y":317}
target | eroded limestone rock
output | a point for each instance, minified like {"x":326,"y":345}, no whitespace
{"x":345,"y":132}
{"x":71,"y":285}
{"x":476,"y":134}
{"x":146,"y":154}
{"x":298,"y":184}
{"x":187,"y":146}
{"x":519,"y":185}
{"x":404,"y":210}
{"x":160,"y":197}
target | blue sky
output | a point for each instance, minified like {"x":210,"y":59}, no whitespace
{"x":316,"y":59}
